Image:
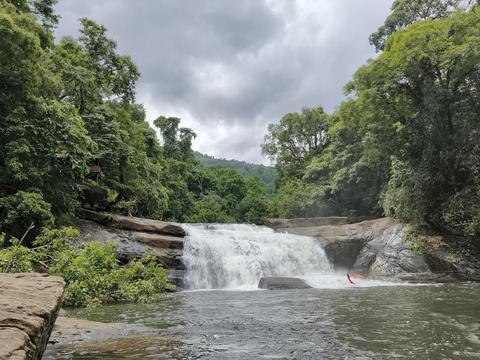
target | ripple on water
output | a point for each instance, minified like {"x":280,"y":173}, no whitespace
{"x":440,"y":322}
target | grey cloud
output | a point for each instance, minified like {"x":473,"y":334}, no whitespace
{"x":231,"y":67}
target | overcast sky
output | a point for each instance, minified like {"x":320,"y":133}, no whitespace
{"x":228,"y":68}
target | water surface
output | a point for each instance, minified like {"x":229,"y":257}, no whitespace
{"x":383,"y":322}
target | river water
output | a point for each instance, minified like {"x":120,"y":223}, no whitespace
{"x":224,"y":316}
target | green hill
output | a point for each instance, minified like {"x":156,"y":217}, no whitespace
{"x":266,"y":173}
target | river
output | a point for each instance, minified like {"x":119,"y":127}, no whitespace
{"x":224,"y":316}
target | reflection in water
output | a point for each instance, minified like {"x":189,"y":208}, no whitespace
{"x":406,"y":322}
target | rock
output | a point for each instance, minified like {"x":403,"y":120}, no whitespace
{"x":176,"y":277}
{"x":94,"y":197}
{"x":158,"y":241}
{"x":29,"y":304}
{"x":282,"y":283}
{"x":389,"y":254}
{"x":309,"y":222}
{"x":72,"y":331}
{"x":342,"y":243}
{"x":374,"y":247}
{"x":132,"y":223}
{"x":133,"y":245}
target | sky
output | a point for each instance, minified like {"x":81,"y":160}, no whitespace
{"x":229,"y":68}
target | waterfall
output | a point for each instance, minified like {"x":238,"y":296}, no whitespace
{"x":235,"y":256}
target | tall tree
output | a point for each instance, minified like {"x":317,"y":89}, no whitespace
{"x":406,"y":12}
{"x":296,"y":139}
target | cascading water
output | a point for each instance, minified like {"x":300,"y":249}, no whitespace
{"x":234,"y":256}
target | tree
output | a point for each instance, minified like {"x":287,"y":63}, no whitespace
{"x":44,"y":147}
{"x":428,"y":81}
{"x":406,"y":12}
{"x":296,"y":139}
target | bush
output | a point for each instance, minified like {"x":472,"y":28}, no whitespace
{"x":23,"y":209}
{"x":91,"y":271}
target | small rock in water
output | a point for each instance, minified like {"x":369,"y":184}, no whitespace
{"x":282,"y":283}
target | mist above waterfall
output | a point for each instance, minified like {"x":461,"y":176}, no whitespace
{"x":234,"y":256}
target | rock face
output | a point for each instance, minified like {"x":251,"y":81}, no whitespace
{"x":379,"y":248}
{"x":282,"y":283}
{"x":389,"y":254}
{"x":29,"y":304}
{"x":136,"y":236}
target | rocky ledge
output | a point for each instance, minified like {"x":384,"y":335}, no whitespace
{"x":385,"y":249}
{"x":29,"y":304}
{"x":136,"y":236}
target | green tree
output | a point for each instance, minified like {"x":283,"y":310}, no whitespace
{"x":427,"y":80}
{"x":406,"y":12}
{"x":44,"y":147}
{"x":296,"y":139}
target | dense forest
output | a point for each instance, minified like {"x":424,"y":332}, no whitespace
{"x":267,"y":174}
{"x":405,"y":141}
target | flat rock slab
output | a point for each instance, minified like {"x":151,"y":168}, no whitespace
{"x":282,"y":283}
{"x":132,"y":223}
{"x":29,"y":304}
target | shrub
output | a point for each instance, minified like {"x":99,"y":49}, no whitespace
{"x":91,"y":271}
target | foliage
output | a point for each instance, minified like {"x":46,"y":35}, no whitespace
{"x":296,"y":139}
{"x":406,"y":12}
{"x":23,"y":209}
{"x":91,"y":272}
{"x":405,"y":142}
{"x":267,"y":174}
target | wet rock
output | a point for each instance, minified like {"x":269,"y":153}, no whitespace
{"x":132,"y":223}
{"x":176,"y":277}
{"x":158,"y":241}
{"x":282,"y":283}
{"x":133,"y":245}
{"x":29,"y":304}
{"x":389,"y":254}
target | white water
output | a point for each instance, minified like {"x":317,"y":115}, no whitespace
{"x":234,"y":256}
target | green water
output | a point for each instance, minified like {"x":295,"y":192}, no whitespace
{"x":391,"y":322}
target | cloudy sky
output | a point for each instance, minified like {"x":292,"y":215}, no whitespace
{"x":229,"y":68}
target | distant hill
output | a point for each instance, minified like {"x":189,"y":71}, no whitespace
{"x":266,"y":173}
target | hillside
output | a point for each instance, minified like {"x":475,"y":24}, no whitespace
{"x":266,"y":173}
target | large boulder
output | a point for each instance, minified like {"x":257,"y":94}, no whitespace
{"x":29,"y":305}
{"x":132,"y":223}
{"x":282,"y":283}
{"x":388,"y":253}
